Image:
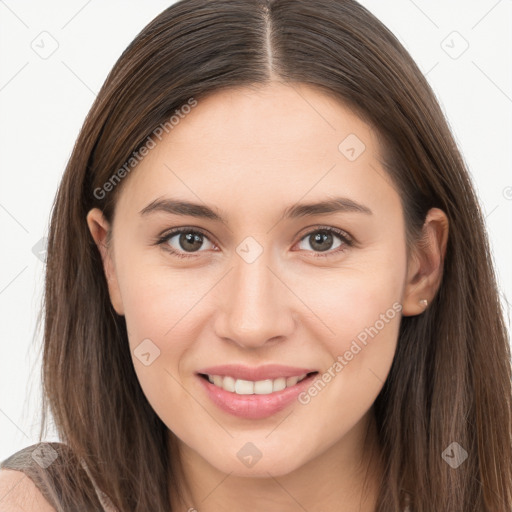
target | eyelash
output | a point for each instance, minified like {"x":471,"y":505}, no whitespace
{"x":345,"y":238}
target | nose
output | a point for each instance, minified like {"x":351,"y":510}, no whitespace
{"x":257,"y":307}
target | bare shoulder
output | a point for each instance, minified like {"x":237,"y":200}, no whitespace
{"x":18,"y":493}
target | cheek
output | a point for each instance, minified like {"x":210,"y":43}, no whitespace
{"x":160,"y":307}
{"x":160,"y":335}
{"x":156,"y":297}
{"x":360,"y":357}
{"x":356,"y":297}
{"x":365,"y":321}
{"x":163,"y":309}
{"x":361,"y":306}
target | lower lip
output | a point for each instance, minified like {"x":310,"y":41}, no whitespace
{"x":254,"y":406}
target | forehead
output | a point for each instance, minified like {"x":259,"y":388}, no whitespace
{"x":275,"y":116}
{"x":263,"y":145}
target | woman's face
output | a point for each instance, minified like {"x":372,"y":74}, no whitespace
{"x":264,"y":293}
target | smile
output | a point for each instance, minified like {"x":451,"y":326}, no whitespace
{"x":254,"y":392}
{"x":249,"y":387}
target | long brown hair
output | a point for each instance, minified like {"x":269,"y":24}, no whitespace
{"x":450,"y":380}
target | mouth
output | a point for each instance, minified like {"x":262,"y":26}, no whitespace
{"x":254,"y":393}
{"x":250,"y":387}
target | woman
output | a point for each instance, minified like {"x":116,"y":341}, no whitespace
{"x":203,"y":350}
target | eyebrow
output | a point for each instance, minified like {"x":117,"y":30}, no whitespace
{"x":178,"y":207}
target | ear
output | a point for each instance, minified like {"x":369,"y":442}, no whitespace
{"x":425,"y":268}
{"x":100,"y":228}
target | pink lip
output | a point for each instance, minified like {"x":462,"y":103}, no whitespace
{"x":269,"y":371}
{"x":254,"y":406}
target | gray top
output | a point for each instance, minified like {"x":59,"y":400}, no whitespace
{"x":37,"y":462}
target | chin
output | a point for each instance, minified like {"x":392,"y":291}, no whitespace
{"x":248,"y":461}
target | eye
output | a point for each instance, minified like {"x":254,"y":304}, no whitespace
{"x":187,"y":239}
{"x":322,"y":240}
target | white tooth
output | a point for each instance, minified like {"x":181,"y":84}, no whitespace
{"x":279,"y":384}
{"x":248,"y":387}
{"x":291,"y":381}
{"x":228,"y":383}
{"x":244,"y":387}
{"x":263,"y":387}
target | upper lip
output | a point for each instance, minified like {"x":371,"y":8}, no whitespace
{"x":268,"y":371}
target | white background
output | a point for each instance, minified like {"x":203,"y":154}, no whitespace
{"x":43,"y":102}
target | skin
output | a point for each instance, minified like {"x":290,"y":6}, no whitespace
{"x":249,"y":153}
{"x":18,"y":493}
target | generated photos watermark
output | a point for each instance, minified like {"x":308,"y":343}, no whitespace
{"x":355,"y":348}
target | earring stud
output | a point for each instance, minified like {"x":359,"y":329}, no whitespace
{"x":424,"y":302}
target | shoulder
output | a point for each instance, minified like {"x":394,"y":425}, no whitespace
{"x":45,"y":477}
{"x":27,"y":478}
{"x":19,"y":493}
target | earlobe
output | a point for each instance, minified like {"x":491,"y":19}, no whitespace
{"x":425,"y":268}
{"x":99,"y":228}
